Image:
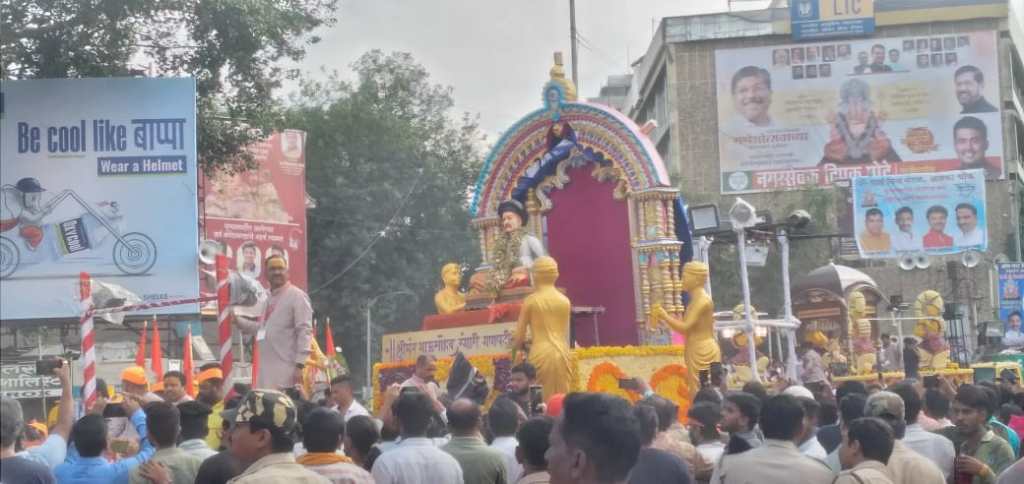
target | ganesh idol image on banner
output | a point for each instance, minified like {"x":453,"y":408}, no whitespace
{"x":812,"y":114}
{"x":97,"y":176}
{"x":931,"y":213}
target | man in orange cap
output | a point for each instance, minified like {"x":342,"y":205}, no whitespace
{"x":134,"y":382}
{"x":211,"y":392}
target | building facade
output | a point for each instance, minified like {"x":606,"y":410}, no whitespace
{"x":676,"y":85}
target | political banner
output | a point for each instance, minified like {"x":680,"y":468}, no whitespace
{"x":930,"y":213}
{"x":484,"y":339}
{"x":98,"y":176}
{"x":1011,"y":299}
{"x":260,"y":212}
{"x":808,"y":115}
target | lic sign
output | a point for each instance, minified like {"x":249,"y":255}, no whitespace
{"x":822,"y":19}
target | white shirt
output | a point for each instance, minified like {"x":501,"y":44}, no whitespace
{"x":935,"y":447}
{"x":507,"y":446}
{"x":355,"y":408}
{"x":812,"y":448}
{"x":1013,"y":338}
{"x":905,"y":241}
{"x":198,"y":448}
{"x":974,"y":237}
{"x":416,"y":461}
{"x":711,"y":451}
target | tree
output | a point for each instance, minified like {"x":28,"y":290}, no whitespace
{"x":390,"y":170}
{"x":231,"y":48}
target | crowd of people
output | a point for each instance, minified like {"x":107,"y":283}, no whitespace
{"x":906,"y":433}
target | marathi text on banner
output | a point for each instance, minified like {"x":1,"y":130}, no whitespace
{"x":470,"y":340}
{"x":808,"y":115}
{"x":21,"y":381}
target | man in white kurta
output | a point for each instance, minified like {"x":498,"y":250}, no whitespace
{"x":284,"y":332}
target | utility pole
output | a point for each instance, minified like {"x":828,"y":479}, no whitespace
{"x":572,"y":35}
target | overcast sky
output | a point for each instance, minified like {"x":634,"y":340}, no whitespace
{"x":496,"y":54}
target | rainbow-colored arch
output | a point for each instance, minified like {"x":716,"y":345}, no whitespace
{"x":599,"y":128}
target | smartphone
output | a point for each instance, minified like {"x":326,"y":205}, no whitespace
{"x":119,"y":446}
{"x":536,"y":398}
{"x":931,"y":381}
{"x":114,"y":410}
{"x":47,"y":366}
{"x":629,"y":384}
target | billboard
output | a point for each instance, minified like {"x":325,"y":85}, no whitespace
{"x":19,"y":380}
{"x":97,"y":176}
{"x":1011,"y":292}
{"x":931,"y":213}
{"x":262,"y":211}
{"x":796,"y":116}
{"x":822,"y":19}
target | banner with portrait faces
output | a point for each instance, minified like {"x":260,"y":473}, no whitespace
{"x":930,"y":213}
{"x":807,"y":115}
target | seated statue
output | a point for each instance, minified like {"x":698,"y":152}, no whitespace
{"x":450,"y":299}
{"x":515,"y":249}
{"x":697,"y":324}
{"x":864,"y":350}
{"x":930,"y":328}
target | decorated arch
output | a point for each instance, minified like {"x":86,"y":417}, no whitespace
{"x":600,"y":199}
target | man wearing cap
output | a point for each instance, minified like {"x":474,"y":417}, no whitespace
{"x":211,"y":393}
{"x":262,"y":439}
{"x":134,"y":382}
{"x":906,"y":466}
{"x":284,"y":332}
{"x":515,"y":249}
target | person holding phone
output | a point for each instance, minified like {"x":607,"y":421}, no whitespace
{"x":85,"y":463}
{"x":53,"y":450}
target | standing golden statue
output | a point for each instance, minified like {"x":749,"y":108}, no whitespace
{"x":930,"y":327}
{"x":697,"y":324}
{"x":449,"y":299}
{"x":545,"y":313}
{"x":860,"y":333}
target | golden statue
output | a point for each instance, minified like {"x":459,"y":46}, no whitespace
{"x":833,"y":353}
{"x":930,"y":328}
{"x":545,"y":313}
{"x":450,"y":299}
{"x":515,"y":250}
{"x":697,"y":325}
{"x":860,"y":333}
{"x":741,"y":360}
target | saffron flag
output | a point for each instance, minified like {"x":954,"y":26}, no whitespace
{"x":329,"y":339}
{"x":157,"y":358}
{"x":140,"y":352}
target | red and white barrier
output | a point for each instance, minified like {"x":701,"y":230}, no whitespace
{"x":88,"y":329}
{"x":224,"y":319}
{"x":88,"y":340}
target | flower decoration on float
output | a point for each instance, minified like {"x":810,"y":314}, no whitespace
{"x":605,"y":378}
{"x":670,"y":382}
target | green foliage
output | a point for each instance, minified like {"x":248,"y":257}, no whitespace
{"x":388,"y":166}
{"x":231,"y":48}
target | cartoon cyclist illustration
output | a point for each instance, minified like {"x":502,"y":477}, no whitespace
{"x":22,"y":207}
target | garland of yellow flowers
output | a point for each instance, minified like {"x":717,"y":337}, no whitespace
{"x":672,"y":379}
{"x":605,"y":378}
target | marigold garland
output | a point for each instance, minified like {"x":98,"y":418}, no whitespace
{"x":670,"y":382}
{"x":605,"y":378}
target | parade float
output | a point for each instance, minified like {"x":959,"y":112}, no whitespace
{"x":581,"y":184}
{"x":578,"y":188}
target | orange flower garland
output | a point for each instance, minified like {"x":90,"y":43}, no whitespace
{"x":670,"y":382}
{"x":605,"y":378}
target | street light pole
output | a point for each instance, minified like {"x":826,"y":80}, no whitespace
{"x":741,"y":238}
{"x":368,"y":388}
